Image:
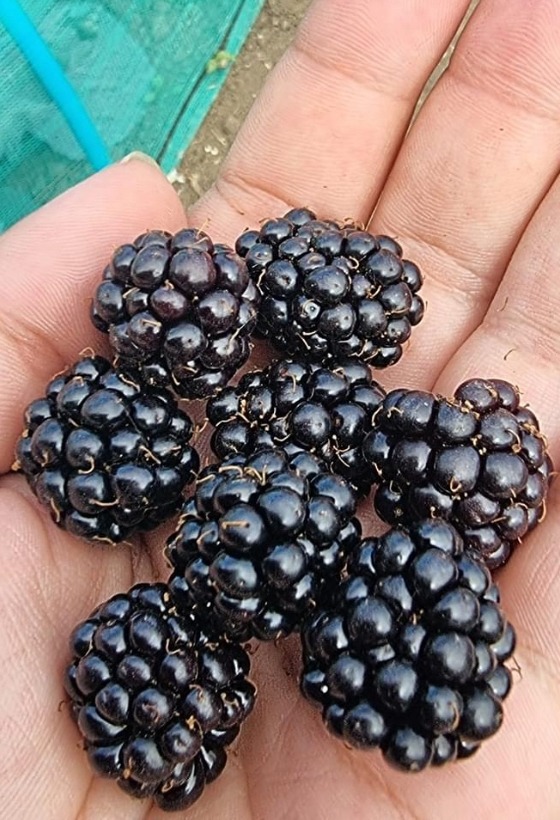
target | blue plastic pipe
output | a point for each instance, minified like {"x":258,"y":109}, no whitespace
{"x":56,"y":83}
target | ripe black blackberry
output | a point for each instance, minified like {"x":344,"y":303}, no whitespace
{"x":262,"y":540}
{"x":107,"y":456}
{"x":295,"y":406}
{"x":178,"y":309}
{"x":332,"y":291}
{"x":410,"y":656}
{"x":478,"y":460}
{"x":156,"y":696}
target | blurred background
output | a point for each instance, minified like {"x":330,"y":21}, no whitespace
{"x":84,"y":82}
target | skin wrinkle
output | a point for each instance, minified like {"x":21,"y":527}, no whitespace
{"x":261,"y":137}
{"x":34,"y":735}
{"x":486,"y":260}
{"x":527,"y":104}
{"x":472,"y":283}
{"x":51,"y":627}
{"x":545,"y":340}
{"x":531,"y":658}
{"x":90,"y":808}
{"x":83,"y":813}
{"x":232,"y":181}
{"x":504,"y":72}
{"x":306,"y":58}
{"x":15,"y":488}
{"x":498,"y":776}
{"x":541,"y":574}
{"x":451,"y":175}
{"x":393,"y":800}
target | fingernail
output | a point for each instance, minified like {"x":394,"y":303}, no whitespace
{"x":139,"y":156}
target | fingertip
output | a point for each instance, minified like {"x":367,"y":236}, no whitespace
{"x":140,"y":156}
{"x":51,"y":262}
{"x":60,"y":250}
{"x":120,"y":201}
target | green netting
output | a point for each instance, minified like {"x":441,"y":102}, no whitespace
{"x":140,"y":67}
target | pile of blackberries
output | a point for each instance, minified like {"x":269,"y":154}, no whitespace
{"x":404,"y":644}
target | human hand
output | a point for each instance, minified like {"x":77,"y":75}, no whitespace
{"x":471,"y":195}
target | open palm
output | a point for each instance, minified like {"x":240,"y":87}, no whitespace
{"x":472,"y":197}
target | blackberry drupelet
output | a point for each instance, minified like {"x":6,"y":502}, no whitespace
{"x":178,"y":309}
{"x":410,"y":656}
{"x":478,"y":460}
{"x":330,"y":291}
{"x":263,"y":539}
{"x":107,"y":456}
{"x":294,"y":406}
{"x":156,"y":696}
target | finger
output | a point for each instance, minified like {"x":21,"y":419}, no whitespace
{"x":519,"y":341}
{"x":51,"y":262}
{"x":293,"y":762}
{"x":519,"y":337}
{"x":328,"y":123}
{"x":49,"y":583}
{"x":482,"y":154}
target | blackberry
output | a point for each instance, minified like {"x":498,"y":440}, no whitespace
{"x":264,"y":538}
{"x":105,"y":455}
{"x":295,"y":406}
{"x":156,"y":696}
{"x":477,"y":460}
{"x":178,"y":309}
{"x":410,"y":656}
{"x":330,"y":291}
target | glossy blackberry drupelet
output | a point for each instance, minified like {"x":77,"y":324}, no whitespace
{"x":107,"y":456}
{"x":178,"y":309}
{"x":478,"y":460}
{"x":410,"y":658}
{"x":300,"y":406}
{"x":264,"y":538}
{"x":332,"y":292}
{"x":156,"y":696}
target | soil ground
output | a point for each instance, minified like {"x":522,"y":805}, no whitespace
{"x":268,"y":40}
{"x":266,"y":43}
